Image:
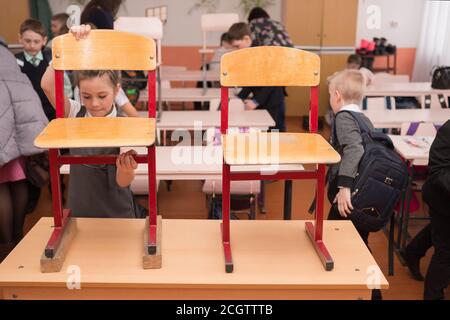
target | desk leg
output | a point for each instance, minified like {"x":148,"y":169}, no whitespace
{"x":315,"y":231}
{"x":261,"y":198}
{"x":405,"y":222}
{"x":288,"y":200}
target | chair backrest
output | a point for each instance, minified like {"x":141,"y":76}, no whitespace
{"x":151,"y":27}
{"x":270,"y":66}
{"x":418,"y":129}
{"x":104,"y":50}
{"x":383,"y":77}
{"x":217,"y":22}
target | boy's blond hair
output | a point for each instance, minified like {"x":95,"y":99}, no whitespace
{"x":350,"y":84}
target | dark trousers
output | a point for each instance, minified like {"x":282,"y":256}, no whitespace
{"x":281,"y":123}
{"x":438,"y":275}
{"x":334,"y":215}
{"x":421,"y":242}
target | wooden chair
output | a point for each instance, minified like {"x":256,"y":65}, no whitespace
{"x":213,"y":22}
{"x":102,"y":50}
{"x":274,"y":66}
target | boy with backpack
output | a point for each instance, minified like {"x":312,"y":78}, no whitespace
{"x":366,"y":185}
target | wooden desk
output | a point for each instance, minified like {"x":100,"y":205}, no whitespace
{"x":173,"y":120}
{"x":394,"y":118}
{"x":109,"y":255}
{"x":189,"y":75}
{"x":188,"y":163}
{"x":413,"y":148}
{"x":184,"y":95}
{"x":402,"y":89}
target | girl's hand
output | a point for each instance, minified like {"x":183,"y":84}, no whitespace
{"x":80,"y":32}
{"x":125,"y":161}
{"x":343,"y":199}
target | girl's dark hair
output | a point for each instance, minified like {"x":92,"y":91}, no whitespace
{"x":113,"y":76}
{"x":257,"y":13}
{"x":111,"y":6}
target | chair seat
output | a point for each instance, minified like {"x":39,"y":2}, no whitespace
{"x":277,"y":148}
{"x":236,"y":187}
{"x":97,"y":133}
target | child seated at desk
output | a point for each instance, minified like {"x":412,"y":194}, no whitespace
{"x":97,"y":190}
{"x":269,"y":98}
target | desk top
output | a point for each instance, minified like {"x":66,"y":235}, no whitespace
{"x":413,"y":148}
{"x":402,"y":89}
{"x":189,"y":75}
{"x":185,"y":94}
{"x":172,"y":120}
{"x":97,"y":132}
{"x":267,"y":254}
{"x":394,"y":118}
{"x":193,"y":163}
{"x":278,"y":148}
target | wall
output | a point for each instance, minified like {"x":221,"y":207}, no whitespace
{"x":181,"y":47}
{"x":400,"y":25}
{"x":182,"y":28}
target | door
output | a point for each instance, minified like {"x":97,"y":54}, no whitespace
{"x":12,"y":14}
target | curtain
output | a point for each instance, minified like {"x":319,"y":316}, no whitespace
{"x":434,"y":44}
{"x":40,"y":10}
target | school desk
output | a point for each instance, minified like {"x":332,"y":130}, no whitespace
{"x":189,"y":75}
{"x":389,"y":119}
{"x":184,"y":95}
{"x":105,"y":259}
{"x":415,"y":151}
{"x":404,"y":89}
{"x":187,"y":120}
{"x":192,"y":163}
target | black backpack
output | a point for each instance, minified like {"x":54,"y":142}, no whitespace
{"x":441,"y":78}
{"x":381,"y":178}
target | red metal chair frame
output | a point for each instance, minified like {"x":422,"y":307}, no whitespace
{"x":61,"y":215}
{"x":314,"y":230}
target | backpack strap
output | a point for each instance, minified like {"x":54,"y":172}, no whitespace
{"x":362,"y":125}
{"x":367,"y":134}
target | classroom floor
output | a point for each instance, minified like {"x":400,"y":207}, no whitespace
{"x":189,"y":193}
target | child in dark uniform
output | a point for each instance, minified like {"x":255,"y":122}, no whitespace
{"x":97,"y":191}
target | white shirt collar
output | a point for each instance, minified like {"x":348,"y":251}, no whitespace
{"x":351,"y":107}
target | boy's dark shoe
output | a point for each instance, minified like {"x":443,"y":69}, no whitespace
{"x":413,"y":263}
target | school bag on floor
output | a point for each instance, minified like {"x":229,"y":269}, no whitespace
{"x":381,"y":178}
